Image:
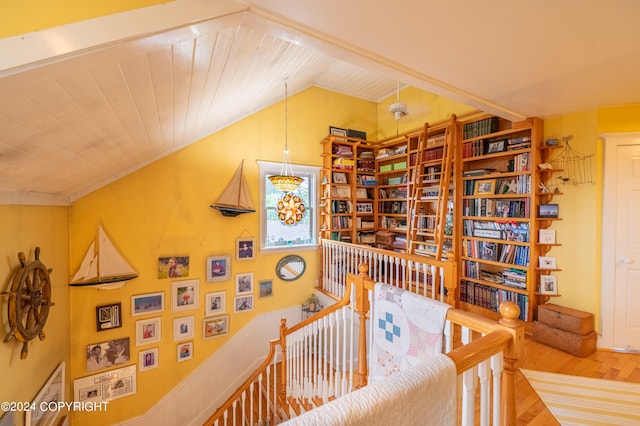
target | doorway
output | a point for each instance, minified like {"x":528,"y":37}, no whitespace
{"x":621,"y":242}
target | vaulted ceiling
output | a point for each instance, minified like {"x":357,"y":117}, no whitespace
{"x":87,"y":103}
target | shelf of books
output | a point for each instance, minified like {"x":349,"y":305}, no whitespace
{"x":498,"y":205}
{"x":348,"y":196}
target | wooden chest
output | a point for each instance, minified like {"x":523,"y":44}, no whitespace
{"x":567,"y":319}
{"x":566,"y":341}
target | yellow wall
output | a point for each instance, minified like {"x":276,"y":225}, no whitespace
{"x":163,"y":210}
{"x":19,"y":17}
{"x":22,"y":229}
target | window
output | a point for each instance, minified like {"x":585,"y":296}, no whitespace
{"x":273,"y":234}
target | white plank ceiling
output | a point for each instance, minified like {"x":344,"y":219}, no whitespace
{"x":87,"y":103}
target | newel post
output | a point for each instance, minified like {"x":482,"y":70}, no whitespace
{"x":509,"y":321}
{"x":283,"y":365}
{"x":362,"y":308}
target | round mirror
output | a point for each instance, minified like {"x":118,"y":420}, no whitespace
{"x":290,"y":267}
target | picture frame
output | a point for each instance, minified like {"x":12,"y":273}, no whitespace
{"x":215,"y":327}
{"x":51,"y":392}
{"x":108,"y":316}
{"x":218,"y":268}
{"x":107,"y":386}
{"x":547,"y":236}
{"x":184,"y":351}
{"x":485,"y":187}
{"x":215,"y":303}
{"x":548,"y":211}
{"x":148,"y":330}
{"x":149,"y":303}
{"x":548,"y":284}
{"x":243,"y":303}
{"x":244,"y":283}
{"x":148,"y":359}
{"x":107,"y":354}
{"x":265,"y":288}
{"x":337,"y":131}
{"x":245,"y":248}
{"x":173,"y":267}
{"x":545,"y":262}
{"x":184,"y":295}
{"x":493,"y":147}
{"x":183,"y":328}
{"x":339,"y":177}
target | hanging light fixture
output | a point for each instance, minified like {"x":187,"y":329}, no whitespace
{"x":285,"y":181}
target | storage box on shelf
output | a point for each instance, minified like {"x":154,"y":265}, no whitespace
{"x":498,"y":206}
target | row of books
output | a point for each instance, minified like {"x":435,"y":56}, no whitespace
{"x":341,"y":207}
{"x":393,"y":207}
{"x":367,"y":180}
{"x":480,"y":128}
{"x":491,"y":298}
{"x":489,"y":207}
{"x":512,"y":185}
{"x":341,"y":222}
{"x":509,"y":231}
{"x":496,"y":252}
{"x":510,"y":277}
{"x":343,"y":150}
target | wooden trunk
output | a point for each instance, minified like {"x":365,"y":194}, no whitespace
{"x":572,"y":343}
{"x":567,"y":319}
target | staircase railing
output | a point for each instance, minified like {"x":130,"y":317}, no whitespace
{"x":419,"y":274}
{"x":325,"y":357}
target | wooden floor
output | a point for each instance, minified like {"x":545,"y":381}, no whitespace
{"x":601,"y":364}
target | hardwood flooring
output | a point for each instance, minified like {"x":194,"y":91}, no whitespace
{"x":601,"y":364}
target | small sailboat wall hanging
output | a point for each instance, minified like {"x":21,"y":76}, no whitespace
{"x":235,"y":198}
{"x":103,"y":266}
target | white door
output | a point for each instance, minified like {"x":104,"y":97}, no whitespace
{"x":621,"y":243}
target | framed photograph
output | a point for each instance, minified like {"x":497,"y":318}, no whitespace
{"x":108,"y":316}
{"x":488,"y":250}
{"x":148,"y":331}
{"x":215,"y":327}
{"x":243,"y":303}
{"x":339,"y":177}
{"x":107,"y":354}
{"x":495,"y":146}
{"x":218,"y":268}
{"x":215,"y":303}
{"x":106,"y":386}
{"x":185,"y":351}
{"x":487,"y":186}
{"x":183,"y":328}
{"x":337,"y":131}
{"x":245,"y":248}
{"x":149,"y":303}
{"x":548,"y":284}
{"x":244,"y":283}
{"x":148,"y":359}
{"x":184,"y":295}
{"x":173,"y":267}
{"x":548,"y":211}
{"x":547,"y":236}
{"x":51,"y":392}
{"x":547,"y":262}
{"x":266,"y":288}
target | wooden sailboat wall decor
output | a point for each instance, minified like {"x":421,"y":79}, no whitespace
{"x":103,"y":266}
{"x":235,"y":198}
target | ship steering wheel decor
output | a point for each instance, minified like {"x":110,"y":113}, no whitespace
{"x":29,"y":301}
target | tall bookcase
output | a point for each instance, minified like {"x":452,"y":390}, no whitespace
{"x":498,"y":201}
{"x":348,"y":190}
